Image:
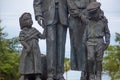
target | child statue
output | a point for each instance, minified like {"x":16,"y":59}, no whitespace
{"x":30,"y":61}
{"x":96,"y":39}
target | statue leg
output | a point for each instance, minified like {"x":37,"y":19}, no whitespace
{"x":91,"y":60}
{"x":51,"y":51}
{"x":99,"y":57}
{"x":61,"y":39}
{"x":99,"y":70}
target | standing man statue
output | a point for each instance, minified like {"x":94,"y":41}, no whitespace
{"x":95,"y":32}
{"x":54,"y":15}
{"x":77,"y":24}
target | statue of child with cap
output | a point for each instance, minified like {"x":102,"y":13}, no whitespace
{"x":94,"y":40}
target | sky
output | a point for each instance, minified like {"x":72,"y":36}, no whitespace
{"x":11,"y":10}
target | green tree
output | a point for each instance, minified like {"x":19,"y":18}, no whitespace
{"x":111,"y":62}
{"x":66,"y":65}
{"x":9,"y":60}
{"x":117,"y":38}
{"x":14,"y":45}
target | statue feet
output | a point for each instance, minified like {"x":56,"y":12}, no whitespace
{"x":21,"y":78}
{"x":91,"y":77}
{"x":62,"y":78}
{"x":38,"y":77}
{"x":49,"y":78}
{"x":84,"y":76}
{"x":98,"y":76}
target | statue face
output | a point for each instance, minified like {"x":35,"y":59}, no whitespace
{"x":94,"y":14}
{"x":28,"y":20}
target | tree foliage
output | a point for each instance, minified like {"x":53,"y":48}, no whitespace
{"x":9,"y":60}
{"x":117,"y":38}
{"x":66,"y":64}
{"x":111,"y":62}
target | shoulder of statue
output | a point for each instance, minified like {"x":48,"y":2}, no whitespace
{"x":22,"y":32}
{"x":104,"y":20}
{"x":34,"y":29}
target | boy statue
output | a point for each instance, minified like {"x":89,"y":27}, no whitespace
{"x":96,"y":39}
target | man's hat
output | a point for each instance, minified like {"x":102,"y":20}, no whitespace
{"x":93,"y":6}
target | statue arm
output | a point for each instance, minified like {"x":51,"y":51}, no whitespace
{"x":85,"y":35}
{"x":107,"y":35}
{"x":71,"y":5}
{"x":73,"y":9}
{"x":37,"y":8}
{"x":42,"y":36}
{"x":22,"y":41}
{"x":37,"y":4}
{"x":26,"y":46}
{"x":34,"y":34}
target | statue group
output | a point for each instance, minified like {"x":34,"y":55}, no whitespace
{"x":89,"y":37}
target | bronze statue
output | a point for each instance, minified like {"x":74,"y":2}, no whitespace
{"x":30,"y":61}
{"x":94,"y":41}
{"x":77,"y":24}
{"x":53,"y":15}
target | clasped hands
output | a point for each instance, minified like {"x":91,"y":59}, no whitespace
{"x":77,"y":13}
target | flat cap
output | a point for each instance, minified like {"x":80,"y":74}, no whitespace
{"x":93,"y":6}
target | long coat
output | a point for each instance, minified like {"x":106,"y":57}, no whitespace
{"x":46,"y":9}
{"x":30,"y":62}
{"x":76,"y":29}
{"x":78,"y":57}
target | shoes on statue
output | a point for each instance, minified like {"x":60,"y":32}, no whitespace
{"x":84,"y":76}
{"x":98,"y":76}
{"x":49,"y":78}
{"x":62,"y":78}
{"x":38,"y":78}
{"x":21,"y":78}
{"x":91,"y":77}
